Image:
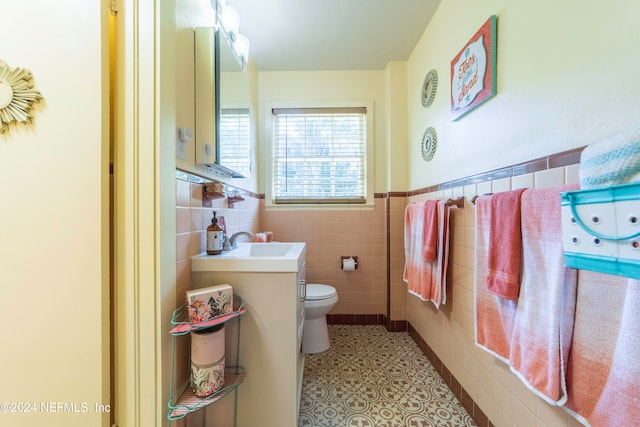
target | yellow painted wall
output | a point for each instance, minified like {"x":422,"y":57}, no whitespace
{"x":396,"y":126}
{"x":566,"y":77}
{"x":53,"y":225}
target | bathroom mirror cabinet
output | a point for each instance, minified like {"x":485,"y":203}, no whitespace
{"x":222,"y":113}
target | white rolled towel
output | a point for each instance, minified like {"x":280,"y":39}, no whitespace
{"x":611,"y":162}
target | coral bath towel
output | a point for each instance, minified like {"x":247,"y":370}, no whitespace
{"x":603,"y":377}
{"x":505,"y":245}
{"x":494,"y":316}
{"x":430,"y":232}
{"x":544,"y":316}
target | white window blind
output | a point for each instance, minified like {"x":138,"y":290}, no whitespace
{"x":234,"y":131}
{"x":319,"y":155}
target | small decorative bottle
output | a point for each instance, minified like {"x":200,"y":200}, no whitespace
{"x":214,"y":237}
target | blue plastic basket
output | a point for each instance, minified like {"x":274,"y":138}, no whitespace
{"x":601,"y":229}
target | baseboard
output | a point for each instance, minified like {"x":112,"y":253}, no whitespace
{"x":356,"y":319}
{"x":367,"y":319}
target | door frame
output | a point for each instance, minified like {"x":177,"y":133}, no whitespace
{"x":144,"y":209}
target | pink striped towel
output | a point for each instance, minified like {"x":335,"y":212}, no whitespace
{"x":430,"y":231}
{"x":603,"y":377}
{"x":414,"y":262}
{"x":426,"y":279}
{"x":543,"y":324}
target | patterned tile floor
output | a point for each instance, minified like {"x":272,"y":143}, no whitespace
{"x":374,"y":378}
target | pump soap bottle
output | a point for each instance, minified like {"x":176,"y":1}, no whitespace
{"x":214,"y":237}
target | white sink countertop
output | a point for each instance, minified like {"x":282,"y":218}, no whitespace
{"x":268,"y":257}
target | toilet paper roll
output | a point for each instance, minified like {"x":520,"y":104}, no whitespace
{"x":349,"y":264}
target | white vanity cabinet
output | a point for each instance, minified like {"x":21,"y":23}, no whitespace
{"x":270,"y":346}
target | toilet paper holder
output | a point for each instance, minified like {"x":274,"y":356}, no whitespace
{"x":342,"y":258}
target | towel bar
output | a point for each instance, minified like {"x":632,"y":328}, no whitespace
{"x":474,"y":198}
{"x":459,"y":202}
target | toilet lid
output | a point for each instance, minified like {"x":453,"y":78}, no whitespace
{"x":317,"y":292}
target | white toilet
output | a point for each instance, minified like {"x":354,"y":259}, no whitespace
{"x":320,"y":300}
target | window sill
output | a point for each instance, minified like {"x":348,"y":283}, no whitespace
{"x":368,"y":205}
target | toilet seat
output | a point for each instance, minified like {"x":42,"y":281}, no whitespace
{"x":317,"y":292}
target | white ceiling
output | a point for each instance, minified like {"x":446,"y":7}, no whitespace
{"x":309,"y":35}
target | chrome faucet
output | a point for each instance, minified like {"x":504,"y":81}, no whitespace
{"x":234,"y":237}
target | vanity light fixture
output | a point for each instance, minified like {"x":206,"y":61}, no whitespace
{"x":229,"y":23}
{"x":218,"y":6}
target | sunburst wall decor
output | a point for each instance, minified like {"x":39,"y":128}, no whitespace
{"x":16,"y":96}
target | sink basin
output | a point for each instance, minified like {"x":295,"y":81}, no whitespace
{"x":269,"y":257}
{"x":261,"y":250}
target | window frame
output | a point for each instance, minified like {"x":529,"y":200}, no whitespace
{"x":321,"y":203}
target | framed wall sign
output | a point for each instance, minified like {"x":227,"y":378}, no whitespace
{"x":473,"y":71}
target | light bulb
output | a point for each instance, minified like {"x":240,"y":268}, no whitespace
{"x":231,"y":22}
{"x":241,"y":46}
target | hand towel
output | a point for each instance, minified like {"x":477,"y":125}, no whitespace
{"x":612,"y":161}
{"x":431,"y":232}
{"x":426,"y":279}
{"x":505,"y":245}
{"x":543,"y":324}
{"x":494,"y":316}
{"x":603,"y":376}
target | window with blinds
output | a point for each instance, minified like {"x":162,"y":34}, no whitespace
{"x":319,"y":155}
{"x":234,"y":131}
